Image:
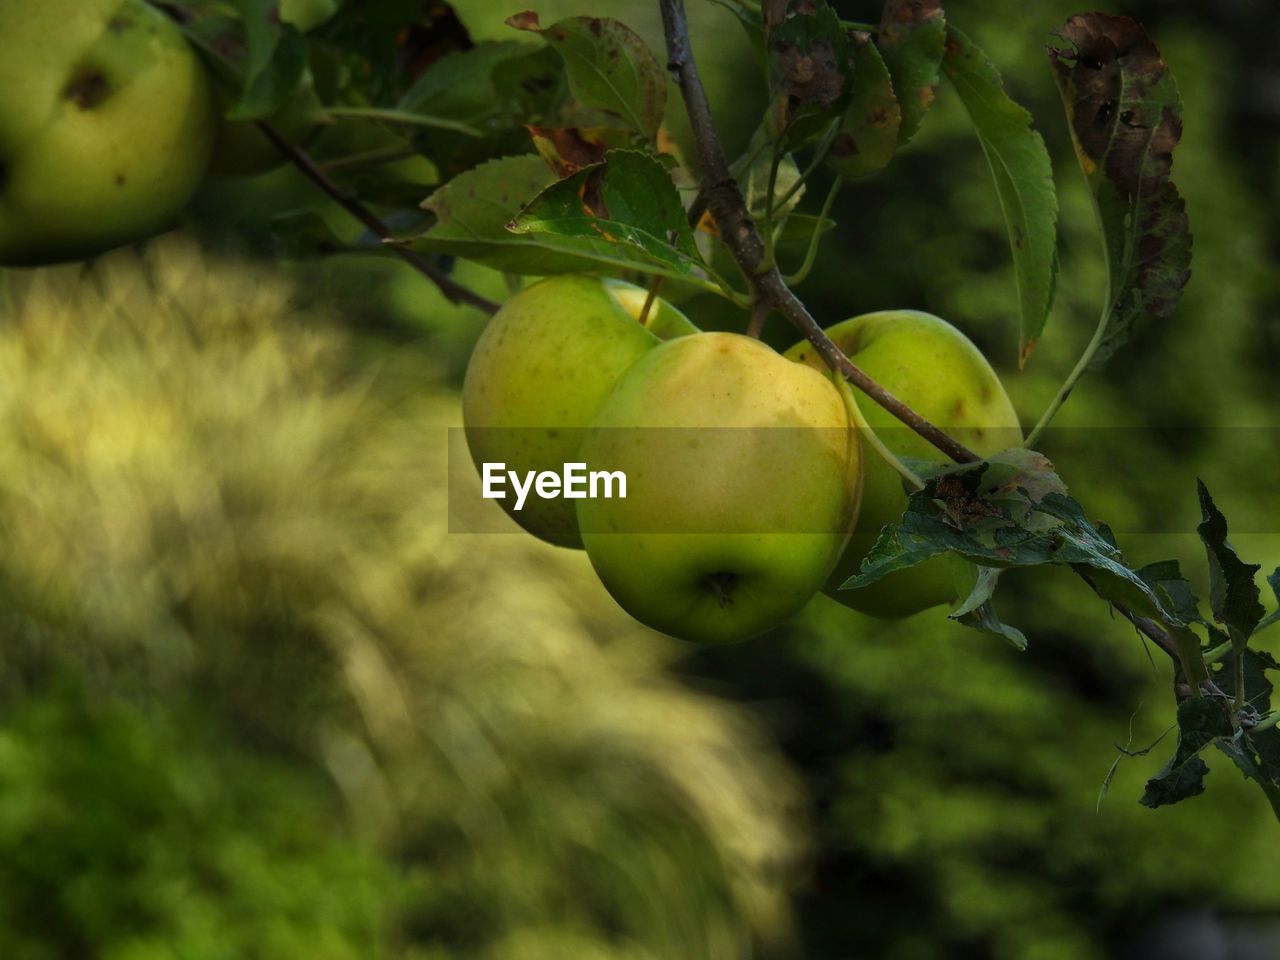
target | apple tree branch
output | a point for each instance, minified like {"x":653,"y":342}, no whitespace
{"x":453,"y":291}
{"x":725,"y":203}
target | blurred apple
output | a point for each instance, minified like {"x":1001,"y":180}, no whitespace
{"x":106,"y":126}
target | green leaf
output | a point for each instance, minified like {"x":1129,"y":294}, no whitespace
{"x":1257,"y":685}
{"x":257,"y":61}
{"x":1257,"y":755}
{"x":1011,"y":511}
{"x":1023,"y":176}
{"x":494,"y":88}
{"x":1174,"y":590}
{"x":1126,"y":120}
{"x":625,"y":212}
{"x":1233,"y":595}
{"x":1177,"y":781}
{"x":610,"y":68}
{"x":912,"y":39}
{"x":867,"y":137}
{"x":385,"y":45}
{"x":1201,"y":721}
{"x":472,"y":212}
{"x":757,"y":185}
{"x":979,"y":612}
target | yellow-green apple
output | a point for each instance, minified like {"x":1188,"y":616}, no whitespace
{"x":106,"y":125}
{"x":539,"y":372}
{"x":742,"y":485}
{"x":937,"y":371}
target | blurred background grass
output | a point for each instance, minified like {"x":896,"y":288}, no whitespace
{"x":256,"y":702}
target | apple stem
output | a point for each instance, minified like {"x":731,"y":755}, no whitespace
{"x":654,"y":286}
{"x":759,"y":313}
{"x":453,"y":291}
{"x":733,"y":220}
{"x":865,"y":431}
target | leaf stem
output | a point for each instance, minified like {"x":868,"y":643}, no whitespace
{"x":402,"y":116}
{"x":453,"y":291}
{"x":1073,"y":377}
{"x":818,"y":157}
{"x":811,"y":255}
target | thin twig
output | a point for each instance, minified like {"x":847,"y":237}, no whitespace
{"x":453,"y":291}
{"x":724,"y":201}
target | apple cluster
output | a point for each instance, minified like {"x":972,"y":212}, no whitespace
{"x":109,"y":121}
{"x":751,"y":489}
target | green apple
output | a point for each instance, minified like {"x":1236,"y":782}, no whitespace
{"x":937,"y":371}
{"x":106,"y":126}
{"x":743,"y":478}
{"x":539,"y":372}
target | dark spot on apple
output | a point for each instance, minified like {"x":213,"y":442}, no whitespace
{"x":721,"y":586}
{"x":88,"y":88}
{"x":119,"y":24}
{"x":119,"y":179}
{"x":844,"y":146}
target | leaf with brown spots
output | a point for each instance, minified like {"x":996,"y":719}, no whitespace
{"x":912,"y":39}
{"x":623,"y":213}
{"x":1126,"y":119}
{"x":868,"y":134}
{"x":568,"y":149}
{"x":809,"y":66}
{"x":1023,"y":177}
{"x":610,"y":68}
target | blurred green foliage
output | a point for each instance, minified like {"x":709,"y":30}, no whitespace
{"x":137,"y":832}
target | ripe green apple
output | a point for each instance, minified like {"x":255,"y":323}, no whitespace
{"x":743,"y":478}
{"x":106,"y":126}
{"x":539,"y":372}
{"x":937,"y":371}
